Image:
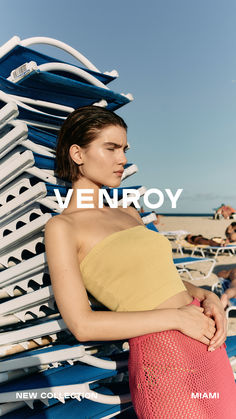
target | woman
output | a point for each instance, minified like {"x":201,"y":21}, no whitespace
{"x":127,"y":267}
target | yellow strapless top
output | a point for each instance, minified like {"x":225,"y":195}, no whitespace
{"x":131,"y":270}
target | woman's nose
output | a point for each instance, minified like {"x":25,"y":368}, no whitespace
{"x":123,"y":159}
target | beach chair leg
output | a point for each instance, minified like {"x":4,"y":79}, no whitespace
{"x":213,"y":262}
{"x":181,"y":270}
{"x":179,"y":249}
{"x":202,"y":253}
{"x":229,"y":309}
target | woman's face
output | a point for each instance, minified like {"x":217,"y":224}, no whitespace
{"x":104,"y":159}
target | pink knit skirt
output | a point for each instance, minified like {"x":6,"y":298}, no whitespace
{"x":173,"y":376}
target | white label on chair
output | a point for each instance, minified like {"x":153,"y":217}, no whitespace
{"x":22,"y":71}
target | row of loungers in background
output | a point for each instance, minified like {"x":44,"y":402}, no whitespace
{"x":204,"y":249}
{"x":37,"y":351}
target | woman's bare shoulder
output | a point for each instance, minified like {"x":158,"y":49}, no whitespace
{"x":57,"y":221}
{"x":67,"y":224}
{"x":61,"y":224}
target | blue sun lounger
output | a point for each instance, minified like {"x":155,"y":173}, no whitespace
{"x":15,"y":53}
{"x":182,"y":265}
{"x":79,"y":89}
{"x":62,"y":353}
{"x":62,"y":91}
{"x":74,"y":409}
{"x":32,"y":116}
{"x":60,"y":380}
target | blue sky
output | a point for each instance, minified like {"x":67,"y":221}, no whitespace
{"x":178,"y":59}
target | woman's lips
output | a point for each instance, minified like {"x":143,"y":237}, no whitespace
{"x":119,"y":173}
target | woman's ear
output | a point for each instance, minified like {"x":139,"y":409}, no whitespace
{"x":76,"y":154}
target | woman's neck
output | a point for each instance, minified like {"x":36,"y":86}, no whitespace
{"x":93,"y":195}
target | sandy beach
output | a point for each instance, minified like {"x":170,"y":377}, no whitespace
{"x":208,"y":228}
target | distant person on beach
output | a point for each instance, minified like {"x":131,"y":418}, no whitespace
{"x":230,"y":233}
{"x":199,"y":239}
{"x":229,"y":274}
{"x":224,"y":211}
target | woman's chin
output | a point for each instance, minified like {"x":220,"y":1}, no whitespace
{"x":113,"y":184}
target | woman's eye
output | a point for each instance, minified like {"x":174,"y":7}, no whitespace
{"x":111,"y":149}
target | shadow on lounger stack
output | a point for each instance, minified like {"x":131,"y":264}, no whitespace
{"x":40,"y":361}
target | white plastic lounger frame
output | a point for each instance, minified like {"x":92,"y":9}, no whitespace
{"x":26,"y":285}
{"x":25,"y":238}
{"x":175,"y":234}
{"x":70,"y":355}
{"x":19,"y":161}
{"x":28,"y":269}
{"x":182,"y":267}
{"x":129,"y":171}
{"x":10,"y":255}
{"x":213,"y":251}
{"x":11,"y":228}
{"x":12,"y":138}
{"x":40,"y":149}
{"x":14,"y":164}
{"x":15,"y":207}
{"x":15,"y":41}
{"x":217,"y":251}
{"x":61,"y":393}
{"x":183,"y":245}
{"x":30,"y":344}
{"x":32,"y":313}
{"x":40,"y":296}
{"x":20,"y":100}
{"x":149,"y":218}
{"x":33,"y":332}
{"x":11,"y":98}
{"x":18,"y":205}
{"x":8,"y":112}
{"x":231,"y":307}
{"x":27,"y":68}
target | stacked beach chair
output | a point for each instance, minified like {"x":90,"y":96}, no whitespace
{"x":41,"y":363}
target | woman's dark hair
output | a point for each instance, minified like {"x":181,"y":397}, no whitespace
{"x":81,"y":127}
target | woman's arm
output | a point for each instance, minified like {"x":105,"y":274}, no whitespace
{"x":212,"y":308}
{"x":85,"y":324}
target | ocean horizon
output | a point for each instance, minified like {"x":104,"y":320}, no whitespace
{"x":186,"y":214}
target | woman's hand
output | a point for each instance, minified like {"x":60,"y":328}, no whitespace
{"x":213,"y":308}
{"x":195,"y":324}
